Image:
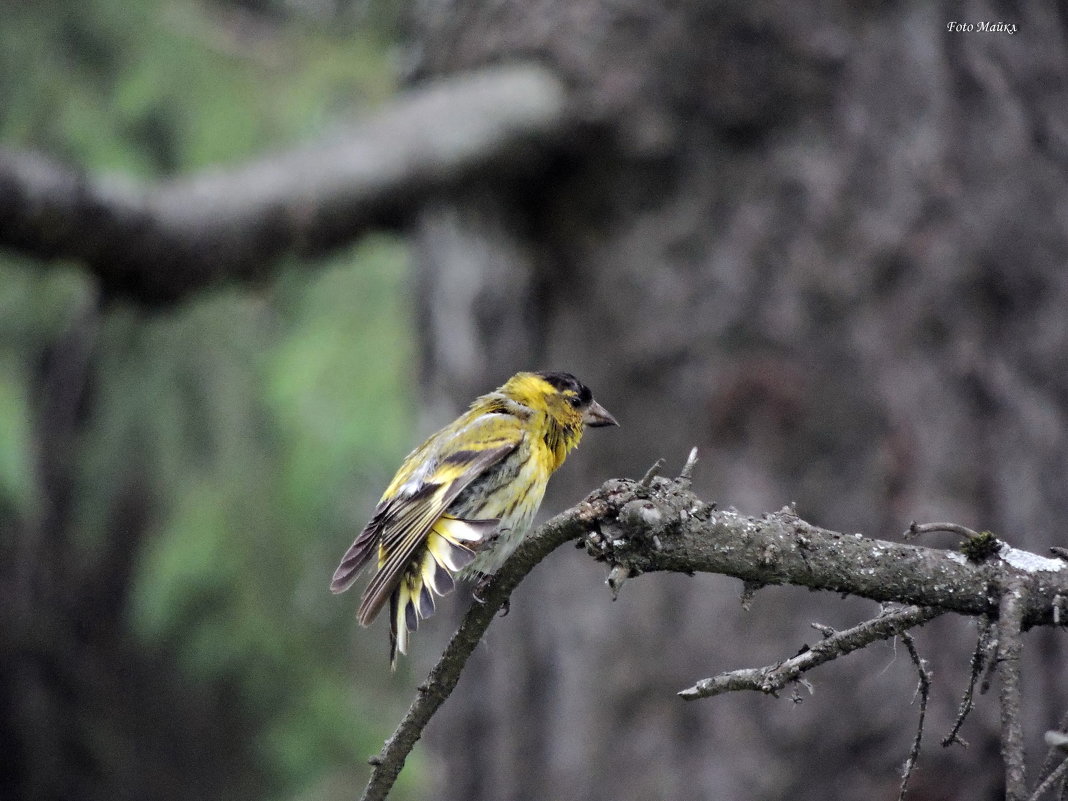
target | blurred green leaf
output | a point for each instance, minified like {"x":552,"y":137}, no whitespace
{"x":255,"y":428}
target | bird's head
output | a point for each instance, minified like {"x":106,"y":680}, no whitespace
{"x":565,"y":399}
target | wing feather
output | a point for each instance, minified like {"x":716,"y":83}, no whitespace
{"x":358,"y":554}
{"x":407,"y":516}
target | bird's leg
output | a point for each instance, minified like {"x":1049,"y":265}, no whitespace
{"x":483,"y":583}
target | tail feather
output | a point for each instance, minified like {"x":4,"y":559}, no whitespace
{"x":435,"y":575}
{"x":398,"y":632}
{"x":450,"y":546}
{"x":426,"y":602}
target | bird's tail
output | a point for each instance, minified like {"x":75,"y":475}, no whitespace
{"x":450,"y":546}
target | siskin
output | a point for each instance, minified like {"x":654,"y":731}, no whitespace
{"x":462,"y":501}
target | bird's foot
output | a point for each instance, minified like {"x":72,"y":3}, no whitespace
{"x":481,"y":586}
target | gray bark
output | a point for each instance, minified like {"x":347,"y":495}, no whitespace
{"x":824,"y":243}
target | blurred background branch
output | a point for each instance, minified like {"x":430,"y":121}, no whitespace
{"x":156,"y":243}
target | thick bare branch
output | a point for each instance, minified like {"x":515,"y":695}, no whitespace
{"x":667,"y":527}
{"x":158,"y":242}
{"x":658,"y":524}
{"x":1010,"y":620}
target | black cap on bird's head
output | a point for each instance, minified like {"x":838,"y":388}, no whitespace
{"x":579,"y":395}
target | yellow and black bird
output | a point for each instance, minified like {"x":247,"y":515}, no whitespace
{"x":483,"y":474}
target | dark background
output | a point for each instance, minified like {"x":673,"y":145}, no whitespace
{"x":824,"y":244}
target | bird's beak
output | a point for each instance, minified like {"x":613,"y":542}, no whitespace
{"x":596,"y":415}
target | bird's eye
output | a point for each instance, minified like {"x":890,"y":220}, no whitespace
{"x":574,"y":400}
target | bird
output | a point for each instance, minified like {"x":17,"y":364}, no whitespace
{"x":462,"y":501}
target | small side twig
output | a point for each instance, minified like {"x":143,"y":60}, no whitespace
{"x":916,"y":529}
{"x":652,"y":472}
{"x":772,"y":678}
{"x":749,"y":590}
{"x":1058,"y":774}
{"x":924,"y":690}
{"x":1057,"y":741}
{"x":1010,"y":623}
{"x":977,"y":664}
{"x":686,"y":476}
{"x":990,"y":657}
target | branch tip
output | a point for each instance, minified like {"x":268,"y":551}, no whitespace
{"x":749,"y":589}
{"x":616,"y":576}
{"x":1057,"y":739}
{"x":924,"y":691}
{"x":772,"y":678}
{"x":651,"y":473}
{"x":686,"y":476}
{"x":915,"y":529}
{"x":826,"y":631}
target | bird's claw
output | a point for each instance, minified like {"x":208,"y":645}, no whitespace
{"x":483,"y":584}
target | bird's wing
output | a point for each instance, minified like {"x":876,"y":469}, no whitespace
{"x":436,"y":473}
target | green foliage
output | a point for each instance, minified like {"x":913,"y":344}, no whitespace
{"x":35,"y":309}
{"x":256,"y":429}
{"x":158,"y":86}
{"x":267,"y":426}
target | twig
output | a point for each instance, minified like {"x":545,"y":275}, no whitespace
{"x":1010,"y":622}
{"x":826,"y":631}
{"x":1056,"y":775}
{"x":686,"y":476}
{"x":652,"y":472}
{"x":990,"y":657}
{"x":1058,"y":746}
{"x":977,"y":664}
{"x":442,"y":679}
{"x":772,"y":678}
{"x":915,"y":529}
{"x":749,"y":590}
{"x":924,"y":690}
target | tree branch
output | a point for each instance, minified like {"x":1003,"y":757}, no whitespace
{"x":442,"y":680}
{"x":1056,"y":775}
{"x":772,"y":678}
{"x":666,"y":527}
{"x":1010,"y":620}
{"x":157,"y":243}
{"x":924,"y":691}
{"x":978,"y":662}
{"x":1056,"y":759}
{"x":658,"y":524}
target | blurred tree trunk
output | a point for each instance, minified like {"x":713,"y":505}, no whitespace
{"x":86,"y":712}
{"x":826,"y":245}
